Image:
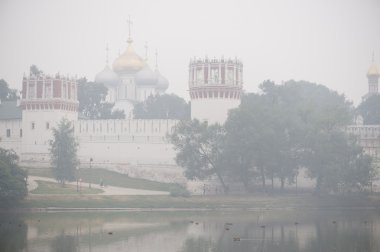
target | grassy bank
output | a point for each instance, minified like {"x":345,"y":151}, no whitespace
{"x":45,"y":187}
{"x":110,"y":178}
{"x":197,"y":202}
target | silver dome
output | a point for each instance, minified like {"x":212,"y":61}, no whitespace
{"x":107,"y":77}
{"x":162,"y":82}
{"x":146,"y":77}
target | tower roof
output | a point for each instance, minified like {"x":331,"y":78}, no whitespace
{"x":373,"y":70}
{"x":107,"y":77}
{"x":129,"y":61}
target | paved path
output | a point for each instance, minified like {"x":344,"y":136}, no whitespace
{"x":108,"y":190}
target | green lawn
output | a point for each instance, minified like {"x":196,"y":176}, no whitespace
{"x":111,"y":178}
{"x":45,"y":187}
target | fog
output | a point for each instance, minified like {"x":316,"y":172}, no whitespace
{"x":327,"y":42}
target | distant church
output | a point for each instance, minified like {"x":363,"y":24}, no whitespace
{"x":373,"y":75}
{"x":368,"y":135}
{"x":131,"y":80}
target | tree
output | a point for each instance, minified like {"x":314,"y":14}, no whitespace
{"x":199,"y":150}
{"x":35,"y":70}
{"x":63,"y":152}
{"x":337,"y":163}
{"x":262,"y":135}
{"x":163,"y":107}
{"x":369,"y":109}
{"x":288,"y":126}
{"x":7,"y":94}
{"x":91,"y":96}
{"x":12,"y":178}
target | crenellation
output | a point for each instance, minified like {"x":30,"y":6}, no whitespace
{"x":215,"y":87}
{"x":125,"y":127}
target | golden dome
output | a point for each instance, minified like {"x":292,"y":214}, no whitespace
{"x":128,"y":62}
{"x":373,"y":70}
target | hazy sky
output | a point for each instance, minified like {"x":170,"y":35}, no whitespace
{"x":324,"y":41}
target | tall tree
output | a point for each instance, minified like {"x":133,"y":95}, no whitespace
{"x":369,"y":109}
{"x":163,"y":107}
{"x":63,"y":152}
{"x":199,"y":150}
{"x":92,"y":105}
{"x":337,"y":163}
{"x":272,"y":134}
{"x":6,"y":93}
{"x":12,"y":178}
{"x":35,"y":70}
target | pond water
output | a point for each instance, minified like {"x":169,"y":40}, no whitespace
{"x":285,"y":231}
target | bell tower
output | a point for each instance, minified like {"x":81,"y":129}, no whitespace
{"x":45,"y":101}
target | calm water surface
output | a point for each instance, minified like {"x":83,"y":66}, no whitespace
{"x":285,"y":231}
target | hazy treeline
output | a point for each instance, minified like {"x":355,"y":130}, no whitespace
{"x":12,"y":179}
{"x":272,"y":135}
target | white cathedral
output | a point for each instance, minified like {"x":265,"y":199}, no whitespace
{"x":137,"y":147}
{"x":131,"y":81}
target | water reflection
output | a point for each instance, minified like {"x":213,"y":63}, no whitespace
{"x":64,"y":243}
{"x":13,"y":233}
{"x":341,"y":231}
{"x":198,"y":244}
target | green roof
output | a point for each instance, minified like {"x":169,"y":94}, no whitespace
{"x":10,"y":111}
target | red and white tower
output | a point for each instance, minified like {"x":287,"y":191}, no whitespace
{"x":215,"y":87}
{"x":45,"y":101}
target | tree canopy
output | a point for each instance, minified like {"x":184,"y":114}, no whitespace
{"x":12,"y":178}
{"x":35,"y":70}
{"x":6,"y":93}
{"x":200,"y":149}
{"x":63,"y":152}
{"x":369,"y":109}
{"x":272,"y":135}
{"x":91,"y":96}
{"x":166,"y":106}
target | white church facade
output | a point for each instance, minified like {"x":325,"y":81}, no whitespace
{"x":131,"y":80}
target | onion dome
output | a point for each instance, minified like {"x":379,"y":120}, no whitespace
{"x":162,"y":82}
{"x":373,"y":70}
{"x":146,"y":77}
{"x":129,"y":61}
{"x":107,"y":77}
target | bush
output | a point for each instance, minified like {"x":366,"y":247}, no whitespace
{"x":179,"y":191}
{"x":12,"y":178}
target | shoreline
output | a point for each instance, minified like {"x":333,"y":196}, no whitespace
{"x":96,"y":203}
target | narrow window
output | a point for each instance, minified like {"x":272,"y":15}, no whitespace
{"x":33,"y":125}
{"x":8,"y":132}
{"x":47,"y":125}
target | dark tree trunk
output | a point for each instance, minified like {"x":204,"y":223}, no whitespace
{"x":262,"y":177}
{"x":225,"y":187}
{"x":282,"y":183}
{"x":318,"y":186}
{"x":272,"y":180}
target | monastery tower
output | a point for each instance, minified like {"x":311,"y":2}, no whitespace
{"x":215,"y":87}
{"x":45,"y":101}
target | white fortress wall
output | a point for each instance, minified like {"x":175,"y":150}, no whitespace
{"x":37,"y":133}
{"x":10,"y":134}
{"x":201,"y":109}
{"x":139,"y":148}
